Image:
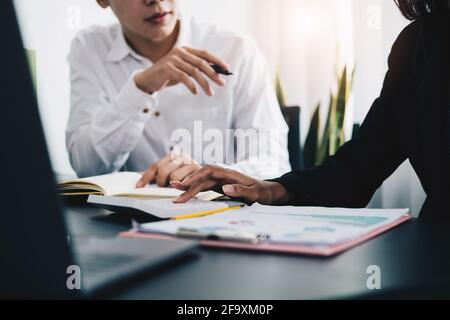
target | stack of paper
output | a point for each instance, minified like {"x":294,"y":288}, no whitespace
{"x":306,"y":226}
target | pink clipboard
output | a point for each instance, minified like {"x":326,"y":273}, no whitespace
{"x":325,"y":251}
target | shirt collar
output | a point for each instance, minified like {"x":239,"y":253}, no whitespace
{"x":120,"y":48}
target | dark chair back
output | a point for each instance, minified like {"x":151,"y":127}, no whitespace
{"x":292,"y":117}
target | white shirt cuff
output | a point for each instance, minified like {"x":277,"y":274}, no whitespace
{"x":134,"y":102}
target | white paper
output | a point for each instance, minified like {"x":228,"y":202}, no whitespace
{"x":162,"y":208}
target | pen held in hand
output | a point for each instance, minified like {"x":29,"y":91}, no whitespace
{"x":221,"y":70}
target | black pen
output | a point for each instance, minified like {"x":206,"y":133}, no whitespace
{"x":221,"y":70}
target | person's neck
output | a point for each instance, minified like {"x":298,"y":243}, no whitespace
{"x":154,"y":50}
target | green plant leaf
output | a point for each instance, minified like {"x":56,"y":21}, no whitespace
{"x":341,"y":106}
{"x":324,"y":146}
{"x":280,"y":92}
{"x":31,"y":57}
{"x":333,"y":133}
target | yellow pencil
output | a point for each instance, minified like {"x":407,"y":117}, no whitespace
{"x":205,"y":213}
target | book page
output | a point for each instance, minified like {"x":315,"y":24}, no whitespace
{"x":115,"y":183}
{"x":124,"y":184}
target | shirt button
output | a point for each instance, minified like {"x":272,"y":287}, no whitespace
{"x":157,"y":114}
{"x":146,"y":110}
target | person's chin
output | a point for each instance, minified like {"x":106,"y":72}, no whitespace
{"x":160,"y":32}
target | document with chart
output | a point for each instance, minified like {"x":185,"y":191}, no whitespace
{"x":292,"y":226}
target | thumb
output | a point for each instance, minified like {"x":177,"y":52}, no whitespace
{"x":240,"y":191}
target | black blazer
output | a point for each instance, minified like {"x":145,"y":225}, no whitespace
{"x":407,"y":121}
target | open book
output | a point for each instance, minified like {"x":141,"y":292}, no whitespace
{"x":123,"y":184}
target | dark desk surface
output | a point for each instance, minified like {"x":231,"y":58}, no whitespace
{"x":414,"y":259}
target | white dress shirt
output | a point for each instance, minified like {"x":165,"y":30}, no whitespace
{"x":114,"y":125}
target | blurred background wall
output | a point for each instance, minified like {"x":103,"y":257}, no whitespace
{"x":304,"y":39}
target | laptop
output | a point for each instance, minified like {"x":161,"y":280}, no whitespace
{"x":38,"y":258}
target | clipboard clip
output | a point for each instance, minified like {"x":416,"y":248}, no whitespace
{"x":222,"y":235}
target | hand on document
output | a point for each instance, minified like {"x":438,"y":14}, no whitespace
{"x":234,"y":185}
{"x":173,"y":167}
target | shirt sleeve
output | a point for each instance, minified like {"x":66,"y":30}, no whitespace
{"x":260,"y":129}
{"x":357,"y":170}
{"x":102,"y":132}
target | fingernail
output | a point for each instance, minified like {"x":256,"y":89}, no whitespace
{"x":139,"y":184}
{"x":228,"y":189}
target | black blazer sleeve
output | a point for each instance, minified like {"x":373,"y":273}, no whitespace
{"x":350,"y":178}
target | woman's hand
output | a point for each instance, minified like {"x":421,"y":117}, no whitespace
{"x":234,"y":185}
{"x":182,"y":65}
